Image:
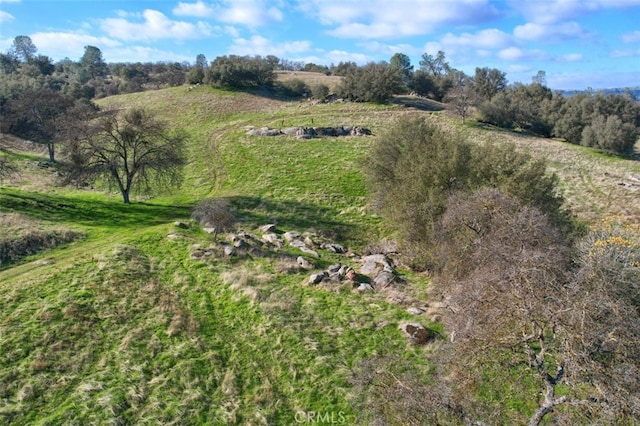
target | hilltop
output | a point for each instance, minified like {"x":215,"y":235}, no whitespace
{"x":143,"y":317}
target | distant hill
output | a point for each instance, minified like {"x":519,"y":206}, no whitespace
{"x":635,"y":91}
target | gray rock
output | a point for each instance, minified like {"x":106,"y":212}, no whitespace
{"x":334,"y":269}
{"x":309,"y":251}
{"x":335,"y":248}
{"x":181,"y":225}
{"x":317,"y":278}
{"x":365,"y":287}
{"x":383,"y":279}
{"x":229,"y":250}
{"x":290,"y":130}
{"x":268,"y":228}
{"x":304,"y":263}
{"x":292,"y":236}
{"x":415,"y":311}
{"x":273,"y":239}
{"x":210,"y":230}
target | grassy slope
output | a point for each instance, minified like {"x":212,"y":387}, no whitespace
{"x":123,"y":327}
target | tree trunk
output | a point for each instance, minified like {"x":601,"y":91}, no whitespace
{"x":52,"y":152}
{"x":125,"y":196}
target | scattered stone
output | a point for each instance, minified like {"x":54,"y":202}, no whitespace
{"x":334,"y":269}
{"x":293,"y":236}
{"x":365,"y":287}
{"x":268,"y":228}
{"x":383,"y":279}
{"x":209,"y":230}
{"x":417,"y":333}
{"x":317,"y":278}
{"x":181,"y":225}
{"x":273,"y":239}
{"x":229,"y":250}
{"x":335,"y":248}
{"x":173,"y":236}
{"x":304,"y":263}
{"x":309,"y":251}
{"x":350,"y":274}
{"x":415,"y":311}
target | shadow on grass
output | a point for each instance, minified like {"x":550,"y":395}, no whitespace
{"x":90,"y":210}
{"x":291,"y":215}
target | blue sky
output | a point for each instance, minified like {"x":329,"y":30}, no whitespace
{"x":578,"y":43}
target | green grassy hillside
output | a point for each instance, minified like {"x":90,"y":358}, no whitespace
{"x":127,"y":325}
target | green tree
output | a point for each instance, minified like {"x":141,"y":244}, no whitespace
{"x":488,"y":82}
{"x":375,"y":82}
{"x":130,"y":150}
{"x":438,"y":69}
{"x":403,"y":63}
{"x":23,"y":48}
{"x":240,"y":72}
{"x":39,"y":115}
{"x":414,"y":166}
{"x":93,"y":63}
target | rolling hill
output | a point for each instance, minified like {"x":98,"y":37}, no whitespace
{"x":142,"y":319}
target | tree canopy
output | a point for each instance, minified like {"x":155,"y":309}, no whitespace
{"x":129,"y":149}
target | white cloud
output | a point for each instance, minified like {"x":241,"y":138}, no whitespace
{"x":399,"y":18}
{"x":60,"y":45}
{"x":484,"y":39}
{"x":628,"y":53}
{"x":549,"y":32}
{"x":550,"y":11}
{"x":511,"y":53}
{"x":5,"y":17}
{"x":390,"y":49}
{"x":142,"y":54}
{"x":258,"y":45}
{"x":571,"y":57}
{"x":517,"y":54}
{"x":245,"y":12}
{"x":632,"y":37}
{"x":337,"y":56}
{"x":156,"y":26}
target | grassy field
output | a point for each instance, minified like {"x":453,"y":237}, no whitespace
{"x":122,"y":326}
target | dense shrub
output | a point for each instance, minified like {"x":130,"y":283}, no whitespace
{"x":240,"y":72}
{"x":415,"y":166}
{"x":319,"y":91}
{"x":294,"y":88}
{"x":375,"y":82}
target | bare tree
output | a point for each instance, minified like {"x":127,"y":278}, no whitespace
{"x":461,"y":98}
{"x":128,"y":149}
{"x":514,"y":303}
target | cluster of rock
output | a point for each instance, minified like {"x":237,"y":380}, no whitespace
{"x":376,"y":272}
{"x":311,"y":132}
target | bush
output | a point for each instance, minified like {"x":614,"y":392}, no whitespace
{"x":319,"y":91}
{"x":240,"y":72}
{"x":294,"y":88}
{"x":375,"y":82}
{"x":214,"y":213}
{"x":415,"y":166}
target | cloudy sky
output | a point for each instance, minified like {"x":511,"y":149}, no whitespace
{"x":578,"y":43}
